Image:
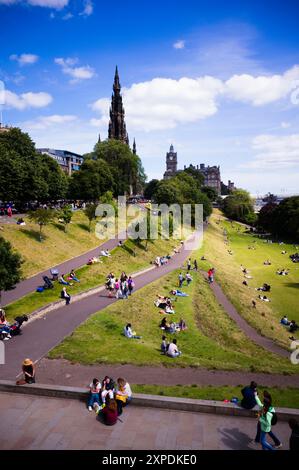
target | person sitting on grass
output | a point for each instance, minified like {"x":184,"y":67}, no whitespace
{"x":285,"y":321}
{"x":282,"y":272}
{"x":62,"y":281}
{"x":163,"y":324}
{"x":73,"y":277}
{"x":182,"y":325}
{"x":293,"y":326}
{"x":94,"y":394}
{"x":171,"y":328}
{"x":264,"y":298}
{"x":173,"y":349}
{"x":245,"y":283}
{"x":265,"y":288}
{"x":267,"y":263}
{"x":129,"y":333}
{"x":164,"y":345}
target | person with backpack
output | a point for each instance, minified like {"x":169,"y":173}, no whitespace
{"x":131,"y":285}
{"x":267,"y":419}
{"x":65,"y":295}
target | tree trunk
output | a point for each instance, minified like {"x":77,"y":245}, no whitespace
{"x":40,"y":233}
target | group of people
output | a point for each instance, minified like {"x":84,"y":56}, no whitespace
{"x":164,"y":304}
{"x":267,"y":418}
{"x":282,"y":272}
{"x":188,"y":278}
{"x":108,"y":398}
{"x":211,"y":274}
{"x":170,"y":349}
{"x":8,"y":330}
{"x":172,"y":327}
{"x":120,"y":287}
{"x":293,"y":326}
{"x":161,"y":260}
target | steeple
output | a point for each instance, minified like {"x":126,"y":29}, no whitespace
{"x":117,"y":126}
{"x":134,"y":147}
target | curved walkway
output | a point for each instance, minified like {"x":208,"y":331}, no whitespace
{"x":62,"y":372}
{"x":48,"y":331}
{"x":249,"y":331}
{"x":30,"y":284}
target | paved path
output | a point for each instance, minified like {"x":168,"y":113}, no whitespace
{"x":249,"y":331}
{"x":30,"y":284}
{"x":63,"y":372}
{"x":32,"y":423}
{"x":46,"y":332}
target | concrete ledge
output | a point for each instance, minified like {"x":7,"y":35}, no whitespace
{"x":149,"y":401}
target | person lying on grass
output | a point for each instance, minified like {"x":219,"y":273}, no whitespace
{"x":178,"y":293}
{"x":282,"y":272}
{"x":264,"y":298}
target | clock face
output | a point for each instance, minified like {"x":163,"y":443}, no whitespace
{"x":171,"y":157}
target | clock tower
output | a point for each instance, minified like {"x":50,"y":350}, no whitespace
{"x":171,"y":163}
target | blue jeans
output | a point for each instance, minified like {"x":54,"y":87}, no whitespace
{"x":271,"y":434}
{"x":265,"y":444}
{"x":93,"y":398}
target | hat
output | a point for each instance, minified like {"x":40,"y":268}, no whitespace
{"x":27,"y":362}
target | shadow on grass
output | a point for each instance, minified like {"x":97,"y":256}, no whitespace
{"x":59,"y":226}
{"x":128,"y":249}
{"x":34,"y":235}
{"x":292,"y":284}
{"x":83,"y":227}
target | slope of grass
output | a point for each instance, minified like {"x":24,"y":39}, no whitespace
{"x":57,"y":246}
{"x":284,"y":289}
{"x":282,"y":397}
{"x":122,"y":259}
{"x":212,"y":340}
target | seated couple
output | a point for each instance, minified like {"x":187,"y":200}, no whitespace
{"x":170,"y":349}
{"x":71,"y":277}
{"x":129,"y":333}
{"x":292,"y":324}
{"x":173,"y":327}
{"x":265,"y":288}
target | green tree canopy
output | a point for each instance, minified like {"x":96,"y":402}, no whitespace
{"x":92,"y":180}
{"x":42,"y":217}
{"x":10,"y":266}
{"x":239,"y":206}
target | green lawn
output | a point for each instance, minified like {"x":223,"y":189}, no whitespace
{"x":284,"y":289}
{"x":282,"y":397}
{"x":57,"y":245}
{"x":212,"y":340}
{"x":91,"y":276}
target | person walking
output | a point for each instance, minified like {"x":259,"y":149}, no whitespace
{"x":124,"y":289}
{"x":189,"y":264}
{"x":195,"y":265}
{"x":267,"y":418}
{"x":181,"y":279}
{"x":131,"y":285}
{"x":65,"y":295}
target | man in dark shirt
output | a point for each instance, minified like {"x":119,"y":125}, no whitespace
{"x":248,"y":393}
{"x":294,"y":438}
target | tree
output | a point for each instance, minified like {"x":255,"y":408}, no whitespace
{"x":210,"y":192}
{"x":10,"y":266}
{"x":92,"y":180}
{"x":150,"y":188}
{"x":239,"y":206}
{"x":266,"y":216}
{"x":42,"y":217}
{"x":286,"y":218}
{"x":57,"y":181}
{"x":90,"y":212}
{"x":65,"y":216}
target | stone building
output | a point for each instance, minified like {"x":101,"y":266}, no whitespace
{"x":171,"y":163}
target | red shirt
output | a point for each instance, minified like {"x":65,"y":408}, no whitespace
{"x":110,"y":417}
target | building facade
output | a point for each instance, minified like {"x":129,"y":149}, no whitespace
{"x":171,"y":163}
{"x":68,"y":161}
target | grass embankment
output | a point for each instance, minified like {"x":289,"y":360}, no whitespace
{"x":282,"y":397}
{"x":212,"y":340}
{"x":284,"y":289}
{"x":57,"y":246}
{"x":122,"y":259}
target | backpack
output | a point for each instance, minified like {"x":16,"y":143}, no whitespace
{"x":274,"y":418}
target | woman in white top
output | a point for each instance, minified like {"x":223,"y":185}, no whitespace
{"x":173,"y":350}
{"x":129,"y":333}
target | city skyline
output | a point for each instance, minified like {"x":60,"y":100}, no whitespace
{"x":221,"y":84}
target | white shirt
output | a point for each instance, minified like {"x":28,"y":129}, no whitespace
{"x":126,"y":390}
{"x":128,"y":332}
{"x":172,"y":349}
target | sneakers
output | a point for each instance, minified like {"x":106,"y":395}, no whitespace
{"x":89,"y":408}
{"x":278,"y":446}
{"x":99,"y":408}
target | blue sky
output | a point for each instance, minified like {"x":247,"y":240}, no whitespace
{"x":219,"y":80}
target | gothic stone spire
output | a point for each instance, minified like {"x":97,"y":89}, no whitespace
{"x":117,"y":126}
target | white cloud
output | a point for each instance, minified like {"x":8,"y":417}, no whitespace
{"x":262,"y":89}
{"x":274,"y":152}
{"x":164,"y":103}
{"x":88,"y":8}
{"x":77,"y":73}
{"x":56,"y":4}
{"x":27,"y":100}
{"x":285,"y":125}
{"x":68,"y":16}
{"x":24,"y":59}
{"x":179,"y":44}
{"x":44,"y":122}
